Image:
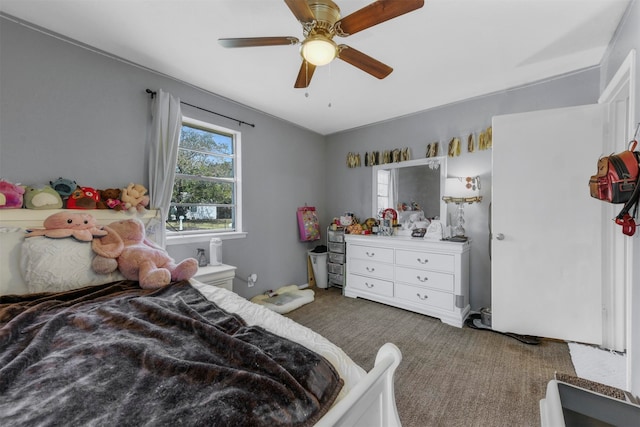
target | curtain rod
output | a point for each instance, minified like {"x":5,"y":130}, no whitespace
{"x":240,"y":122}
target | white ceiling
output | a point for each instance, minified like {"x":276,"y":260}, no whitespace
{"x":446,"y":51}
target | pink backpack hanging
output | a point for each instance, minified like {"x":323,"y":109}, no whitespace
{"x":308,"y":224}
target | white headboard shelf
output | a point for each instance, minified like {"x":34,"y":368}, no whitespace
{"x":26,"y":218}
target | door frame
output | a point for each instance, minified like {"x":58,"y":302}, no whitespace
{"x":618,"y":267}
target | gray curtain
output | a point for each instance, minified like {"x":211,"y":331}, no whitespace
{"x":164,"y":138}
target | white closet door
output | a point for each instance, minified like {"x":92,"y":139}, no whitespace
{"x":546,"y":256}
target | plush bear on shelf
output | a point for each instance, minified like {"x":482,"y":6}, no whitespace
{"x":134,"y":198}
{"x":137,"y":257}
{"x":110,"y":199}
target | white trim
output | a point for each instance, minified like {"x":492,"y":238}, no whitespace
{"x":181,"y":239}
{"x":616,"y":335}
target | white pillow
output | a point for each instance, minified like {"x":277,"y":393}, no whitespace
{"x":11,"y":282}
{"x":55,"y":265}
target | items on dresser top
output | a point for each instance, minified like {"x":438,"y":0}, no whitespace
{"x":428,"y":277}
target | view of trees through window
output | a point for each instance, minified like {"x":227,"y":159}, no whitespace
{"x":203,"y":197}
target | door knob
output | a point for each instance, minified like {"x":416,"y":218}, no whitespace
{"x":500,"y":236}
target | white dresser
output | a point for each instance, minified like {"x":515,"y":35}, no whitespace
{"x":428,"y":277}
{"x":217,"y":275}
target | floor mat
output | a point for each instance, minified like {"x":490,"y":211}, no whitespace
{"x":285,"y":299}
{"x":596,"y":364}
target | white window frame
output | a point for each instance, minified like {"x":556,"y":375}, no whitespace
{"x":176,"y":237}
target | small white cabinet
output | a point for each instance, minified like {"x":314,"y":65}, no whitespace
{"x":217,"y":275}
{"x":428,"y":277}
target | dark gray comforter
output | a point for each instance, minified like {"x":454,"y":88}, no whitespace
{"x":119,"y":355}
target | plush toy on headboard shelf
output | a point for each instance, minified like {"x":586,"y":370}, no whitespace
{"x":11,"y":195}
{"x":63,"y":186}
{"x":81,"y":227}
{"x":137,"y":257}
{"x":42,"y":197}
{"x":83,"y":198}
{"x":134,"y":198}
{"x":110,"y":199}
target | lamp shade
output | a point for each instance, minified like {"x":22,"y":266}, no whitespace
{"x":318,"y":50}
{"x":462,"y":189}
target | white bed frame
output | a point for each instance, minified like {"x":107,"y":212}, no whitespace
{"x":370,"y":403}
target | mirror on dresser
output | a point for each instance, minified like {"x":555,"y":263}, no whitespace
{"x":419,"y":182}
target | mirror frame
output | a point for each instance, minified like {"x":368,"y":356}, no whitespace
{"x":441,"y":161}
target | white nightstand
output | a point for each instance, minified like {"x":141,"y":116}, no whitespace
{"x":217,"y":275}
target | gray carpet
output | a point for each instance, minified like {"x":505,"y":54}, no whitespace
{"x":448,"y":376}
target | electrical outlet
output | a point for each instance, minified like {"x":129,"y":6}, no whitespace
{"x":251,"y":280}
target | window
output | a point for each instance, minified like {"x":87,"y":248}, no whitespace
{"x":206,"y":192}
{"x":384,"y":193}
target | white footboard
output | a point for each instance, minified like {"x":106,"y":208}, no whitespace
{"x":372,"y":401}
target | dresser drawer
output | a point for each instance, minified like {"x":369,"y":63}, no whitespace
{"x":371,"y":268}
{"x":431,"y":261}
{"x":338,"y":279}
{"x":371,"y":253}
{"x":374,"y":286}
{"x":336,"y":258}
{"x":432,"y":279}
{"x":426,"y":297}
{"x":335,"y":268}
{"x":335,"y":236}
{"x":336,"y":247}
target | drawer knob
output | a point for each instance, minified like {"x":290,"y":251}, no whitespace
{"x":368,"y":285}
{"x":370,"y":269}
{"x":423,"y":261}
{"x":421,"y":297}
{"x":422,"y":279}
{"x":370,"y":254}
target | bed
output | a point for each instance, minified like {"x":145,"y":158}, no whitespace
{"x":78,"y":348}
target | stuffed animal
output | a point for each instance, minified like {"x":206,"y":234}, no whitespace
{"x":137,"y":257}
{"x":63,"y":186}
{"x":134,"y":198}
{"x":110,"y":199}
{"x":42,"y":197}
{"x":81,"y":227}
{"x":83,"y":198}
{"x":11,"y":195}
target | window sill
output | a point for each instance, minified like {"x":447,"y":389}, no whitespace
{"x":177,"y":239}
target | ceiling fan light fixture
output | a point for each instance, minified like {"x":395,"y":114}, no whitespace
{"x":318,"y":50}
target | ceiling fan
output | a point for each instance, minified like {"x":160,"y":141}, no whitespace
{"x":321,"y":22}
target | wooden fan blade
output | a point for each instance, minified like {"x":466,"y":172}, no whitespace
{"x":304,"y":75}
{"x":258,"y":41}
{"x":375,"y":13}
{"x":301,"y":10}
{"x":364,"y":62}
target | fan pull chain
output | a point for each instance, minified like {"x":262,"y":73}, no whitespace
{"x":330,"y":85}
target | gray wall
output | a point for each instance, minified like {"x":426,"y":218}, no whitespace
{"x":348,"y":188}
{"x":67,"y":111}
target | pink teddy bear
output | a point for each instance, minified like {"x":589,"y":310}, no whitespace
{"x":126,"y":247}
